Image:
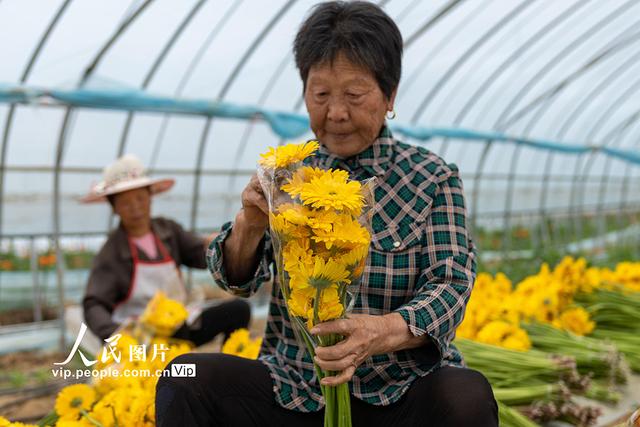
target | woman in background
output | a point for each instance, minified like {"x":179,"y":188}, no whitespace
{"x":142,"y":256}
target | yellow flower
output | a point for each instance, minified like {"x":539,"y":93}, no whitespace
{"x":322,"y":220}
{"x":286,"y":155}
{"x":332,"y":190}
{"x":240,"y":344}
{"x":347,"y":233}
{"x":73,"y":399}
{"x":103,"y":414}
{"x":325,"y":274}
{"x":330,"y":306}
{"x":163,"y":315}
{"x":6,"y":423}
{"x":129,"y":407}
{"x":301,"y":176}
{"x":466,"y":328}
{"x":576,"y":320}
{"x":300,"y":301}
{"x":83,"y":422}
{"x":285,"y":229}
{"x":296,"y":253}
{"x":505,"y":335}
{"x":627,"y":274}
{"x":356,"y":255}
{"x":237,"y":339}
{"x":295,"y":214}
{"x":141,"y":411}
{"x":15,"y":423}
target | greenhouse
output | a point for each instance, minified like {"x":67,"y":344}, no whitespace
{"x":519,"y":252}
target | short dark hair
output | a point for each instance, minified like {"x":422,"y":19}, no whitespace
{"x":361,"y":31}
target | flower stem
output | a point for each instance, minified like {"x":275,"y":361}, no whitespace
{"x":90,"y":418}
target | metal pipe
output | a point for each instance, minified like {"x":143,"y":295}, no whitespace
{"x":33,"y":266}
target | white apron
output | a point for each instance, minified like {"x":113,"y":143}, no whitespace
{"x":148,"y":278}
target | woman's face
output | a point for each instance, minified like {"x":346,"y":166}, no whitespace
{"x":134,"y":208}
{"x":346,"y":106}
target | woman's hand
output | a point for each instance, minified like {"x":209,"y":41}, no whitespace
{"x":365,"y":336}
{"x":254,"y":205}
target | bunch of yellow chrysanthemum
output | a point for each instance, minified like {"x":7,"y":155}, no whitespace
{"x":123,"y":391}
{"x":322,"y":243}
{"x":115,"y":398}
{"x":82,"y":405}
{"x":240,"y":344}
{"x":163,"y":316}
{"x":318,"y":224}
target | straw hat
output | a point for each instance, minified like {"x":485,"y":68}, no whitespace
{"x":126,"y":173}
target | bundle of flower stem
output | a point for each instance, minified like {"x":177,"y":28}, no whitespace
{"x":594,"y":357}
{"x":627,"y":342}
{"x":617,"y":316}
{"x":524,"y":395}
{"x":510,"y":368}
{"x":532,"y":380}
{"x":510,"y":417}
{"x":612,"y":309}
{"x":602,"y":391}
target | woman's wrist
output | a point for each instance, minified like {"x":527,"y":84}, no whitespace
{"x":241,"y":250}
{"x":248,"y":231}
{"x":397,"y":335}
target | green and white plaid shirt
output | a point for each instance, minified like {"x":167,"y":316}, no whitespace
{"x":421,"y":264}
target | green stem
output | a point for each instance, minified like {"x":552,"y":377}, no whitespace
{"x":344,"y":405}
{"x":91,"y":419}
{"x":49,"y":420}
{"x":329,"y":410}
{"x":316,"y":306}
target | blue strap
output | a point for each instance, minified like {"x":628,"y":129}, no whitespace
{"x":285,"y":125}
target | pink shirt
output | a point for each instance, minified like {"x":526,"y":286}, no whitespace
{"x":148,"y":245}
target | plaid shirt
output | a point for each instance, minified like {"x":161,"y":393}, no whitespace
{"x":421,"y":264}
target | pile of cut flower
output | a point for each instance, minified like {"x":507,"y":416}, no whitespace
{"x":572,"y":330}
{"x":123,"y":393}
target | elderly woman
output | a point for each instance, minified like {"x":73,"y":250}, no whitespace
{"x":142,"y":256}
{"x":397,"y":356}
